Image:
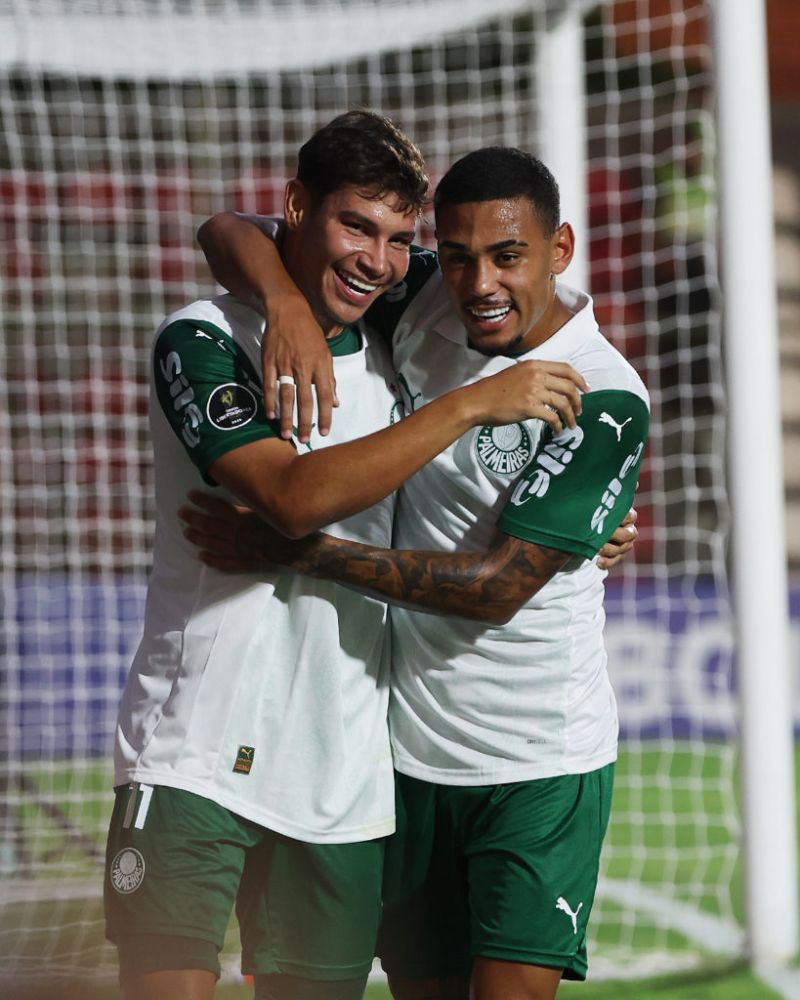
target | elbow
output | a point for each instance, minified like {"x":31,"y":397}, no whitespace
{"x":501,"y":611}
{"x":292,"y":524}
{"x":296,"y":530}
{"x":493,"y":615}
{"x":500,"y":616}
{"x":290,"y":520}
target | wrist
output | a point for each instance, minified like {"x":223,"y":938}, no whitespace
{"x":466,"y":407}
{"x":283,"y":302}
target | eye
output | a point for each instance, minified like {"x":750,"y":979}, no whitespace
{"x":453,"y":259}
{"x":508,"y":258}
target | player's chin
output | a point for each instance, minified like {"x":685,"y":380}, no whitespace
{"x":493,"y":344}
{"x":348,"y":313}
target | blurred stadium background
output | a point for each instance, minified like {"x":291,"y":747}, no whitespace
{"x":126,"y":123}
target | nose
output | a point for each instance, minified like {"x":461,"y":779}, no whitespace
{"x":482,"y":278}
{"x":373,"y":259}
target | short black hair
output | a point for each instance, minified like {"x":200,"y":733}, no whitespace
{"x":496,"y":172}
{"x":367,"y":150}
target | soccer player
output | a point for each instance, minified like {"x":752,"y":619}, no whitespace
{"x":502,"y":717}
{"x":252,"y":751}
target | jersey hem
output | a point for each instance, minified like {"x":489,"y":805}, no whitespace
{"x":505,"y":775}
{"x":373,"y":831}
{"x":222,"y":447}
{"x":574,"y":546}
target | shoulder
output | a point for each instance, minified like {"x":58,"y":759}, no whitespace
{"x":607,"y":370}
{"x":223,"y":312}
{"x":387,"y":311}
{"x":590,"y":352}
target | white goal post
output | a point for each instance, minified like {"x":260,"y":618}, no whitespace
{"x":125,"y":123}
{"x":757,"y":485}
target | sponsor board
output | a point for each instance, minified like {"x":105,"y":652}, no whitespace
{"x":68,"y":649}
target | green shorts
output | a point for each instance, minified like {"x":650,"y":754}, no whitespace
{"x":497,"y":871}
{"x":176,"y":863}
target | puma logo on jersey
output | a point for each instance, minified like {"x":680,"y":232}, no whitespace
{"x":563,"y":905}
{"x":606,"y":418}
{"x":410,"y":397}
{"x":202,"y":335}
{"x":244,"y":760}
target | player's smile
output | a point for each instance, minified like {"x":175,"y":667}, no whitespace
{"x":498,"y":264}
{"x":345,"y":249}
{"x":355,"y":289}
{"x":489,"y":317}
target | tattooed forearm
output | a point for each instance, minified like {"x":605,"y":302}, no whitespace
{"x":488,"y":586}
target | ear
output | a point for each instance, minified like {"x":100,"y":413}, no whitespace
{"x":562,"y":243}
{"x":296,"y":201}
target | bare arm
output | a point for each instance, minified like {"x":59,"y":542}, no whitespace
{"x":488,"y":587}
{"x":298,"y":494}
{"x":247,"y":263}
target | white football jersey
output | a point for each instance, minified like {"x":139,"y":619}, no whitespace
{"x":476,"y":704}
{"x":268,"y":697}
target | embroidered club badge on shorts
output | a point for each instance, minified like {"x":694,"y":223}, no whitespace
{"x":244,"y":760}
{"x":127,"y":870}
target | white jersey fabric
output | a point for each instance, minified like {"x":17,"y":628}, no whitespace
{"x":269,"y":698}
{"x":473,"y":704}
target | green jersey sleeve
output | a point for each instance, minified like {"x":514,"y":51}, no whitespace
{"x":208,"y":391}
{"x":384,"y":314}
{"x":581,"y":483}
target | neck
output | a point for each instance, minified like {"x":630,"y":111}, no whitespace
{"x":552,"y":319}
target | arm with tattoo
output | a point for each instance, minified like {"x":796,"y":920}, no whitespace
{"x":488,"y":586}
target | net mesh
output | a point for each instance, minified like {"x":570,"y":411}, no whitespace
{"x":124,"y":125}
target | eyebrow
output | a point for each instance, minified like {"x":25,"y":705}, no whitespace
{"x":349,"y":213}
{"x":493,"y":248}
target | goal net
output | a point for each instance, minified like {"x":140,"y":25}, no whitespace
{"x":125,"y":123}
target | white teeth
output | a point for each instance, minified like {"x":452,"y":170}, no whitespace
{"x":358,"y":286}
{"x":490,"y":314}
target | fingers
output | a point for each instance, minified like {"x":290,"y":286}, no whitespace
{"x":556,"y":386}
{"x":270,"y":375}
{"x":550,"y":415}
{"x":213,"y":504}
{"x":326,"y":400}
{"x":292,"y":369}
{"x":215,"y":536}
{"x":621,"y":542}
{"x":323,"y":380}
{"x":564,"y":371}
{"x":568,"y":398}
{"x":225,"y":564}
{"x":204,"y":530}
{"x":298,"y":388}
{"x":287,"y":387}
